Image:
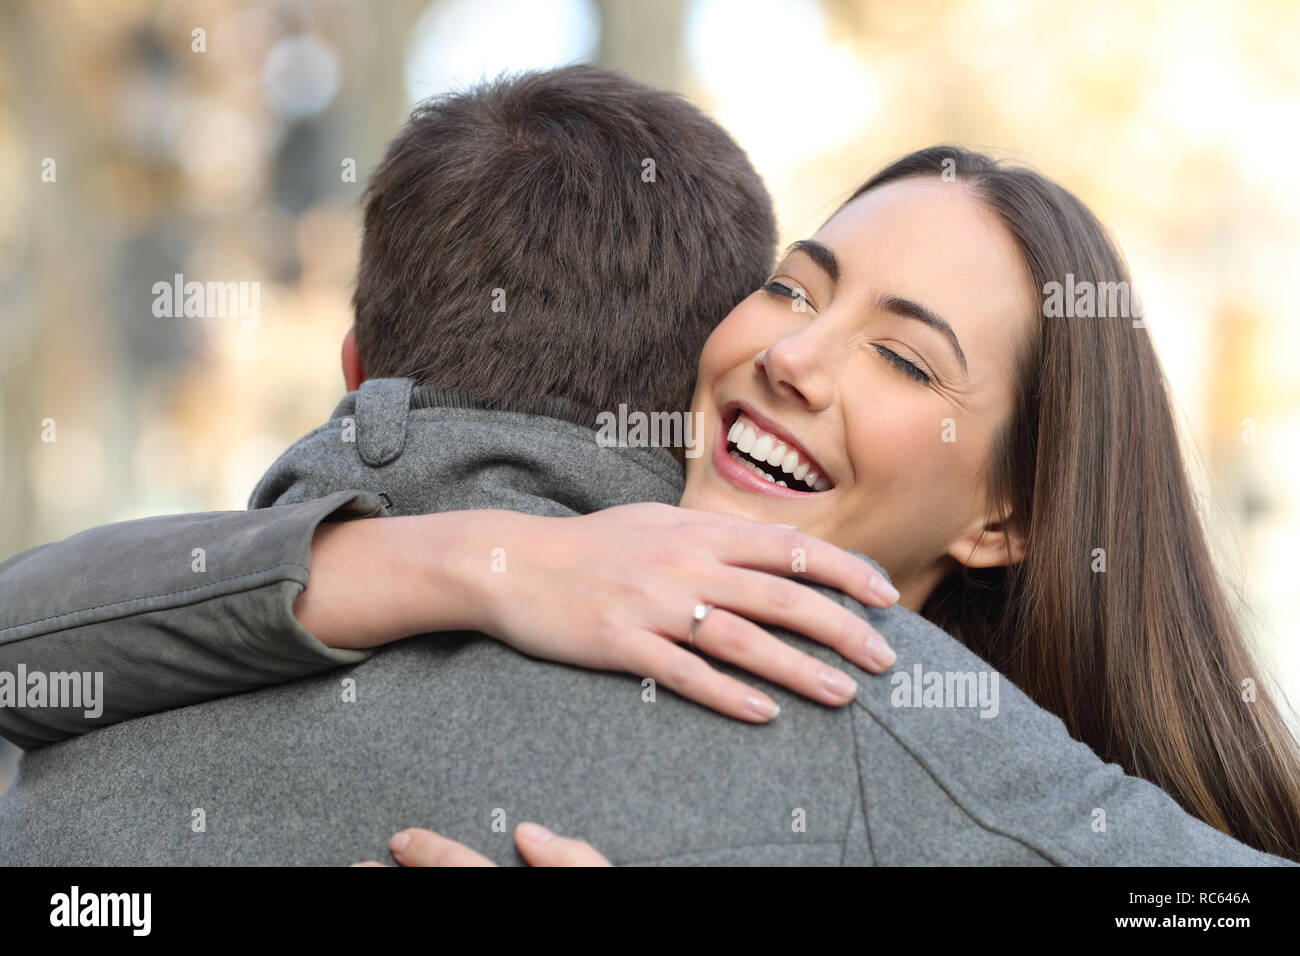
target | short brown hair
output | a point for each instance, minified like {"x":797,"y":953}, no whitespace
{"x":616,"y":223}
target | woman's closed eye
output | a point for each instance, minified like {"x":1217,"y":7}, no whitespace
{"x":776,"y":287}
{"x":903,"y":365}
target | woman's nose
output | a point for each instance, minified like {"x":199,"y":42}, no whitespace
{"x":793,"y":370}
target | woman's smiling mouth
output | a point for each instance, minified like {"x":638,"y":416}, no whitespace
{"x":753,"y":453}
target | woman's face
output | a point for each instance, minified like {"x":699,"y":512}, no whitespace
{"x":881,"y":357}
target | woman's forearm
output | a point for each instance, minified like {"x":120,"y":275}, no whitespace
{"x":377,"y":581}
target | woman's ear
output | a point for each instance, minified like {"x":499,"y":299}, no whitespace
{"x":990,"y":544}
{"x":353,"y":372}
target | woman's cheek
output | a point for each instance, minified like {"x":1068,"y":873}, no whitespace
{"x":722,"y":351}
{"x":914,"y":458}
{"x":897,"y":441}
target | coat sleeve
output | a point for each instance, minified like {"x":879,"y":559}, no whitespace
{"x":142,"y":616}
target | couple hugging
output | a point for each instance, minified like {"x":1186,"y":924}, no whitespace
{"x":451,"y":610}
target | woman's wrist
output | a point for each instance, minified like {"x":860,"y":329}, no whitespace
{"x":377,"y":580}
{"x":464,"y":561}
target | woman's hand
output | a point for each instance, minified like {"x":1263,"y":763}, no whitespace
{"x":615,"y":590}
{"x":539,"y":846}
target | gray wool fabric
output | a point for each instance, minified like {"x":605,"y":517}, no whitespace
{"x":460,"y":733}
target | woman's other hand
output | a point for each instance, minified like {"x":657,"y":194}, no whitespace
{"x":539,"y":847}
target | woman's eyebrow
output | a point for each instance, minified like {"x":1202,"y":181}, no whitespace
{"x":912,"y":310}
{"x":819,"y":254}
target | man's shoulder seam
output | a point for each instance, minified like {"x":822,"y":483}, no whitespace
{"x":968,"y":805}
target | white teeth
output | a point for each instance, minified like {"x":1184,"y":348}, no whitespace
{"x":755,"y":469}
{"x":762,"y":447}
{"x":748,"y":464}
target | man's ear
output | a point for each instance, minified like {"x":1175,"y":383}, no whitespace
{"x":353,"y":371}
{"x":990,"y":544}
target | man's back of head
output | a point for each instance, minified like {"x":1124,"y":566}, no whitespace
{"x":570,"y":233}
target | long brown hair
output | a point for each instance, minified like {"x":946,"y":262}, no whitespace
{"x":1144,"y":662}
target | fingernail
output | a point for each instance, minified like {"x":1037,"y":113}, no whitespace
{"x":842,"y":684}
{"x":762,"y":707}
{"x":535,"y":833}
{"x":880,"y":652}
{"x":885,"y":591}
{"x":399,"y":841}
{"x":776,"y":525}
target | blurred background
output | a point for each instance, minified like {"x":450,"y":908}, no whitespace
{"x":230,"y":141}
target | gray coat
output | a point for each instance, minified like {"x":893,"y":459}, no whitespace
{"x":460,"y":733}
